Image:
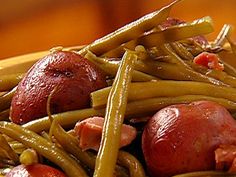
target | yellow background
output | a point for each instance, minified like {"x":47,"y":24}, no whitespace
{"x":29,"y":26}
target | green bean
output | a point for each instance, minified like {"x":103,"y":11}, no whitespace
{"x":152,"y":105}
{"x":7,"y":82}
{"x":192,"y":46}
{"x":115,"y":111}
{"x":130,"y":162}
{"x":5,"y":147}
{"x":181,"y":51}
{"x":144,"y":90}
{"x":129,"y":31}
{"x":43,"y":147}
{"x":141,"y":52}
{"x":171,"y":34}
{"x":121,"y":171}
{"x":229,"y":69}
{"x":16,"y":145}
{"x":207,"y":174}
{"x":5,"y":100}
{"x":175,"y":58}
{"x":112,"y":67}
{"x":70,"y":144}
{"x":19,"y":150}
{"x":45,"y":135}
{"x":171,"y":71}
{"x":48,"y":108}
{"x":221,"y":38}
{"x":4,"y":115}
{"x":219,"y":75}
{"x":228,"y":58}
{"x":66,"y":119}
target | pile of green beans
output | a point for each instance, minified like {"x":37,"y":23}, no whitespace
{"x":149,"y":68}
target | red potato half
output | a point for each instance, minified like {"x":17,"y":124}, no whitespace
{"x":74,"y":78}
{"x":182,"y":138}
{"x":35,"y":170}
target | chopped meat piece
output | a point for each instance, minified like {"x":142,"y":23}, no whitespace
{"x":225,"y":157}
{"x":209,"y":60}
{"x":89,"y":132}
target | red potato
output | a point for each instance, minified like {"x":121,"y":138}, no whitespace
{"x":74,"y":78}
{"x":182,"y":138}
{"x":35,"y":170}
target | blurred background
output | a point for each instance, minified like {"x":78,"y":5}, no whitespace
{"x":34,"y":25}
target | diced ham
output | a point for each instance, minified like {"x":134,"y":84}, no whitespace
{"x":209,"y":60}
{"x":89,"y":132}
{"x":225,"y":157}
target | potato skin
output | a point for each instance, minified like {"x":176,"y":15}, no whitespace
{"x":74,"y":76}
{"x":182,"y":138}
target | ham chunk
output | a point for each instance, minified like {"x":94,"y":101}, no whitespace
{"x":225,"y":157}
{"x":89,"y":132}
{"x":209,"y":60}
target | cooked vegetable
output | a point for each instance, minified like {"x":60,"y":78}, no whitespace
{"x":5,"y":100}
{"x":114,"y":117}
{"x":6,"y":150}
{"x":222,"y":37}
{"x":7,"y":82}
{"x":143,"y":90}
{"x":74,"y":76}
{"x":172,"y":71}
{"x":129,"y":161}
{"x":182,"y":138}
{"x":67,"y":119}
{"x":4,"y":115}
{"x":111,"y":68}
{"x":43,"y":147}
{"x":174,"y":33}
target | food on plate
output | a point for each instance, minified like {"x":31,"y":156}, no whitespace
{"x":74,"y":76}
{"x":154,"y":98}
{"x":182,"y":138}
